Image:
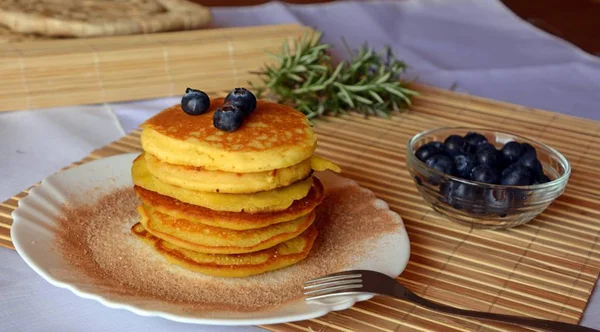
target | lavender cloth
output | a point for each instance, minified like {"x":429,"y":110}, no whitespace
{"x":477,"y":45}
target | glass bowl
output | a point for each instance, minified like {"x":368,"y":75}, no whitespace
{"x":481,"y":204}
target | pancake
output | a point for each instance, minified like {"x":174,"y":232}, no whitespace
{"x":320,"y":164}
{"x":274,"y":136}
{"x":242,"y":265}
{"x":231,"y":220}
{"x":216,"y":240}
{"x":273,"y":200}
{"x":198,"y":178}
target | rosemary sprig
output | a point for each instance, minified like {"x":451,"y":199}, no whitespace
{"x":307,"y":79}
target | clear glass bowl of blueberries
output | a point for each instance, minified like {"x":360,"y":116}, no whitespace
{"x":486,"y":178}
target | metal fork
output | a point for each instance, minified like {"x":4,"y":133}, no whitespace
{"x":363,"y":281}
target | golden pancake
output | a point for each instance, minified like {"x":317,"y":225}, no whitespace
{"x":241,"y":265}
{"x":231,"y":220}
{"x":320,"y":164}
{"x":273,"y":200}
{"x":198,"y":178}
{"x":274,"y":136}
{"x":216,"y":240}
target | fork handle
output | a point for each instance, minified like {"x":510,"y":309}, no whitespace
{"x":524,"y":321}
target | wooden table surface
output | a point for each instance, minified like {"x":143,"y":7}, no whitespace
{"x":577,"y":21}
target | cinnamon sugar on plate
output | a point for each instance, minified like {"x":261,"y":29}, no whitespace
{"x":95,"y":240}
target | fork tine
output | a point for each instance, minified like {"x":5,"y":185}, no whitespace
{"x":333,"y":283}
{"x":324,"y":296}
{"x":333,"y":294}
{"x":334,"y":277}
{"x":327,"y":290}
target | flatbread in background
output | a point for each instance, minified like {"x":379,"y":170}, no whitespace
{"x":8,"y":36}
{"x":87,"y":18}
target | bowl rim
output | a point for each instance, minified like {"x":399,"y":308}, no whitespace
{"x":561,"y":180}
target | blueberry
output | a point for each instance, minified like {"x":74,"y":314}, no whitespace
{"x":488,"y":155}
{"x":427,"y":151}
{"x":438,"y":145}
{"x":486,"y":146}
{"x":195,"y":102}
{"x":441,"y":163}
{"x":242,"y":98}
{"x":529,"y":153}
{"x":516,"y":175}
{"x":474,"y":139}
{"x":542,"y":178}
{"x":228,"y":118}
{"x":485,"y":174}
{"x":459,"y":195}
{"x":464,"y":163}
{"x":455,"y":145}
{"x":512,"y":151}
{"x":528,"y":149}
{"x":533,"y":164}
{"x":507,"y":169}
{"x":528,"y":157}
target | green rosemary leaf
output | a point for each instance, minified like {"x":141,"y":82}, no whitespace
{"x":319,"y":48}
{"x":382,"y":113}
{"x":384,"y":77}
{"x":318,"y":68}
{"x":295,"y":77}
{"x":363,"y":99}
{"x":376,"y":96}
{"x":344,"y":95}
{"x":398,"y":94}
{"x":356,"y":88}
{"x":299,"y":69}
{"x":336,"y":73}
{"x":311,"y":115}
{"x":408,"y":92}
{"x":317,"y":87}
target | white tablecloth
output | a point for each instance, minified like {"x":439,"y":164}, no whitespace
{"x":477,"y":45}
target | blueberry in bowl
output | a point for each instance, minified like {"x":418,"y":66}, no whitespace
{"x":485,"y":178}
{"x":428,"y":150}
{"x":464,"y":164}
{"x":487,"y":154}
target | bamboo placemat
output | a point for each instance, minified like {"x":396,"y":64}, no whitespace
{"x":75,"y":18}
{"x":47,"y":73}
{"x":545,"y":269}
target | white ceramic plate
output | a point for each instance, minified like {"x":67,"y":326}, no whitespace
{"x":34,"y":230}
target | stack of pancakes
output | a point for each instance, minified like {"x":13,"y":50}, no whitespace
{"x":229,"y":204}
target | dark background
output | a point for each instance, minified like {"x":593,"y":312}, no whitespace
{"x":577,"y":21}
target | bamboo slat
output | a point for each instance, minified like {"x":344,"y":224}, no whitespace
{"x":546,"y":268}
{"x":47,"y":73}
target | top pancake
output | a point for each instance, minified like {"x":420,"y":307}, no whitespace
{"x":274,"y":136}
